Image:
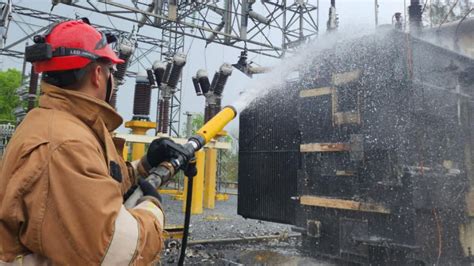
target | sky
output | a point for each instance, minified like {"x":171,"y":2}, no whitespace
{"x":354,"y":15}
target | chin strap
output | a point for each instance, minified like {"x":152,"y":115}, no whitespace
{"x":108,"y":95}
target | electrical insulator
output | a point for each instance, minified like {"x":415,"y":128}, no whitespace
{"x":125,"y":51}
{"x":203,"y":79}
{"x":167,"y":72}
{"x":197,"y":88}
{"x":159,"y":71}
{"x":150,"y":9}
{"x":179,"y":60}
{"x":151,"y":77}
{"x":213,"y":35}
{"x":214,"y":81}
{"x":224,"y":72}
{"x":258,"y":17}
{"x":142,"y":97}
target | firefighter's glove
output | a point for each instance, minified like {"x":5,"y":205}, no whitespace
{"x":149,"y":190}
{"x":159,"y":151}
{"x":151,"y":201}
{"x":190,"y":170}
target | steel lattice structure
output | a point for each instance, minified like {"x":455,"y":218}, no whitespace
{"x":269,"y":27}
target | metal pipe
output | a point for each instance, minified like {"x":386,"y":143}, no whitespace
{"x":158,"y":11}
{"x":240,"y":239}
{"x":227,"y":20}
{"x":244,"y":20}
{"x":376,"y":7}
{"x":189,"y":124}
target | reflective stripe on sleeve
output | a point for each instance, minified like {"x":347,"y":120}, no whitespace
{"x":151,"y":207}
{"x":124,"y":242}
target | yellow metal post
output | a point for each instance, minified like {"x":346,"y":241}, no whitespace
{"x":139,"y":128}
{"x":125,"y":152}
{"x":198,"y":184}
{"x":210,"y":178}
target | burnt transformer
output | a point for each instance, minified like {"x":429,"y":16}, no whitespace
{"x":369,"y":154}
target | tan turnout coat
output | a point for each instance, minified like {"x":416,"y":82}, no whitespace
{"x":61,"y":189}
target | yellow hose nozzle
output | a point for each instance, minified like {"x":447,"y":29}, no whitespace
{"x":217,"y":123}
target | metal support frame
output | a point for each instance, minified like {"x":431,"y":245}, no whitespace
{"x":147,"y":44}
{"x":233,"y":23}
{"x":194,"y":19}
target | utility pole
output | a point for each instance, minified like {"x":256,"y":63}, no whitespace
{"x":376,"y":6}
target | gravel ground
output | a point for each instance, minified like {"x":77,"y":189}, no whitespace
{"x":224,"y":222}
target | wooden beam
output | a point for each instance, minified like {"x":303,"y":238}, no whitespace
{"x":148,"y":139}
{"x":324,"y":147}
{"x":341,"y":118}
{"x":346,"y":77}
{"x":332,"y":203}
{"x":315,"y":92}
{"x":344,"y":173}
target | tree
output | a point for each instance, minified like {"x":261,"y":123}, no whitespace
{"x":10,"y":80}
{"x":443,"y":11}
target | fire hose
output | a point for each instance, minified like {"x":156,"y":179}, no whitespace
{"x":184,"y":154}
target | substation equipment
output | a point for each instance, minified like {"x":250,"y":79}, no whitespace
{"x":243,"y":24}
{"x":375,"y":165}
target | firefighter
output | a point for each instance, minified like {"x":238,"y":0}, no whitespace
{"x":62,"y":178}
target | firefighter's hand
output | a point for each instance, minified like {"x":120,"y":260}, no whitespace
{"x":191,"y":170}
{"x":159,"y":151}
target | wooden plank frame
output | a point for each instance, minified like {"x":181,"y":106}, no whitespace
{"x":352,"y":205}
{"x":324,"y":147}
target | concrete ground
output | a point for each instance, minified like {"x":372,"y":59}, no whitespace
{"x":223,"y":222}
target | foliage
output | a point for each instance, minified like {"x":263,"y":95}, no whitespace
{"x":9,"y":81}
{"x":230,"y":166}
{"x":229,"y":160}
{"x":443,"y":11}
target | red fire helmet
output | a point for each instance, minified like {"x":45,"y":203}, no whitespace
{"x":75,"y":44}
